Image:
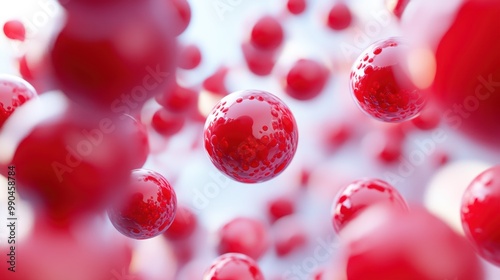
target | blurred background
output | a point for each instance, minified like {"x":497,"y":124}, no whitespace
{"x":337,"y":142}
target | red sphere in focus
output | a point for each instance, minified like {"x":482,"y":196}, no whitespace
{"x":251,"y":136}
{"x":148,"y":207}
{"x":381,"y":88}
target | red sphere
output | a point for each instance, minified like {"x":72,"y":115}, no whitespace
{"x":167,"y":123}
{"x":280,"y":207}
{"x":413,"y":245}
{"x":190,"y":57}
{"x":244,"y":235}
{"x":380,"y":87}
{"x":14,"y":30}
{"x":360,"y":195}
{"x":115,"y":63}
{"x":306,"y":79}
{"x":251,"y":136}
{"x":184,"y":224}
{"x":148,"y":208}
{"x":259,"y":62}
{"x":339,"y":16}
{"x":467,"y":79}
{"x":233,"y":266}
{"x":183,"y":12}
{"x":289,"y":235}
{"x":296,"y":7}
{"x":267,"y":33}
{"x":69,"y":166}
{"x":14,"y":92}
{"x":480,"y":206}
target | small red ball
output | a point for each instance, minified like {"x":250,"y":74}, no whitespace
{"x":148,"y":208}
{"x":14,"y":30}
{"x":267,"y":33}
{"x":339,"y":16}
{"x":244,"y":235}
{"x":380,"y":87}
{"x":184,"y":224}
{"x":361,"y":194}
{"x":306,"y":79}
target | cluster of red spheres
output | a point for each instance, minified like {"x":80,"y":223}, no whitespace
{"x":159,"y":139}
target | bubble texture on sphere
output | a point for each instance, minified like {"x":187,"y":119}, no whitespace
{"x":251,"y":136}
{"x":480,"y":206}
{"x":149,"y":207}
{"x":380,"y":87}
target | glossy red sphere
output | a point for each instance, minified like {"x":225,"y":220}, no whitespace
{"x":339,"y":17}
{"x":115,"y":63}
{"x":296,"y":7}
{"x":184,"y":224}
{"x":14,"y":30}
{"x":380,"y":87}
{"x":69,"y":166}
{"x":412,"y":245}
{"x":480,"y":205}
{"x":14,"y":92}
{"x":306,"y":79}
{"x":244,"y":235}
{"x":267,"y":33}
{"x":251,"y":136}
{"x":148,"y":208}
{"x":233,"y":266}
{"x":360,"y":195}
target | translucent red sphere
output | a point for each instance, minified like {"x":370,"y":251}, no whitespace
{"x":148,"y":208}
{"x":480,"y":205}
{"x":14,"y":92}
{"x":251,"y":136}
{"x":233,"y":266}
{"x":361,"y":194}
{"x":380,"y":86}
